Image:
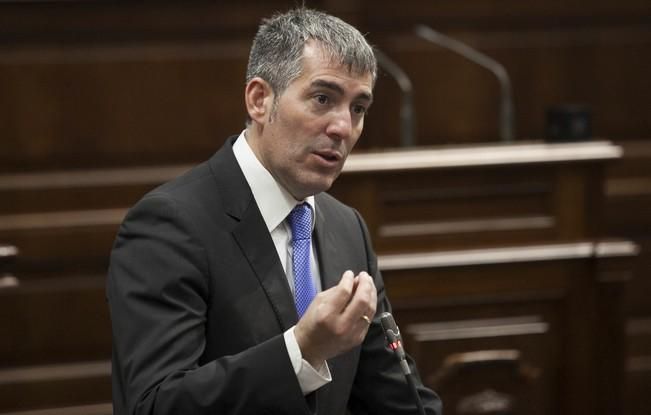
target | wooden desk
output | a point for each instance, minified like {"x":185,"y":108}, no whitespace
{"x":467,"y":197}
{"x":533,"y":329}
{"x":470,"y":238}
{"x":495,"y":251}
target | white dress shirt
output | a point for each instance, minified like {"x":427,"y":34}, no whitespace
{"x":275,"y":203}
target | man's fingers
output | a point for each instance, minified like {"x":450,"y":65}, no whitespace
{"x":347,"y":279}
{"x":340,"y":294}
{"x":333,"y":323}
{"x":364,"y":300}
{"x":353,"y":297}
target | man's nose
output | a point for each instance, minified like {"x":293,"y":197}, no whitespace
{"x":340,"y":126}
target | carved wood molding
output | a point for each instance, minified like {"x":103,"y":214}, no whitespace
{"x":480,"y":328}
{"x":55,"y":372}
{"x":91,"y":177}
{"x":466,"y":226}
{"x":66,"y":219}
{"x":531,"y":253}
{"x":481,"y":156}
{"x":422,"y":158}
{"x":95,"y":409}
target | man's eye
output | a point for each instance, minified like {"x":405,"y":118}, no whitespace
{"x":322,"y":99}
{"x":359,"y":109}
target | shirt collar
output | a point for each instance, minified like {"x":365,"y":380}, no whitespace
{"x":274,"y":201}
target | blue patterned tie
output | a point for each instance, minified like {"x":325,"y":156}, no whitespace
{"x":300,"y":219}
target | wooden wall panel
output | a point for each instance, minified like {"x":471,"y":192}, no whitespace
{"x":638,"y":366}
{"x":102,"y":106}
{"x":66,"y":221}
{"x":56,"y":320}
{"x":48,"y":387}
{"x":107,"y":84}
{"x":628,"y":190}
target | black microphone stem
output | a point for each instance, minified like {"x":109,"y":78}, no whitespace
{"x":506,"y":120}
{"x":407,"y":115}
{"x":394,"y":339}
{"x":414,"y":391}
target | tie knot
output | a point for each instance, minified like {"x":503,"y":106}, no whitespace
{"x":300,"y":219}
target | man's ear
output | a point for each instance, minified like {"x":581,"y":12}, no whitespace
{"x":258,"y":97}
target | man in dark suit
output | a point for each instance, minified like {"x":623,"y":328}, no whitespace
{"x":218,"y":305}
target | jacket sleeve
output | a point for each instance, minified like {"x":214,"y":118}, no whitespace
{"x":380,"y":387}
{"x":158,"y":289}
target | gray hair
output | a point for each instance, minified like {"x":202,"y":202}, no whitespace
{"x":278,"y":46}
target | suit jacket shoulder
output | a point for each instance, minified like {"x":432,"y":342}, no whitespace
{"x":199,"y":301}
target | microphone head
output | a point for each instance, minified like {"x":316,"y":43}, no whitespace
{"x":389,"y":326}
{"x":392,"y":333}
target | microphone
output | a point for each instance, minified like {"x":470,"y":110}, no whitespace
{"x":506,"y":121}
{"x":407,"y":117}
{"x":392,"y":333}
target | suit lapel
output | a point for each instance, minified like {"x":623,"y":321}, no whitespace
{"x":257,"y":246}
{"x":251,"y":234}
{"x":332,"y":263}
{"x":329,"y":264}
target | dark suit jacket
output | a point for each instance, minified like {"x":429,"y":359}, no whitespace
{"x":199,"y":302}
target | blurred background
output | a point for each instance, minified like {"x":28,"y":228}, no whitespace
{"x":519,"y":269}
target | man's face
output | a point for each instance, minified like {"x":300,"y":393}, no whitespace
{"x":315,"y":124}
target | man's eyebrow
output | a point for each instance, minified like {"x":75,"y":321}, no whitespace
{"x":321,"y":83}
